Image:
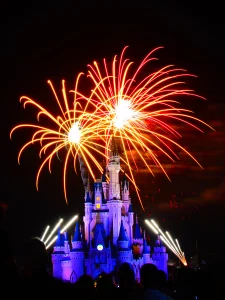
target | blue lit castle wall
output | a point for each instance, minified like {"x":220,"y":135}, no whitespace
{"x":110,"y":236}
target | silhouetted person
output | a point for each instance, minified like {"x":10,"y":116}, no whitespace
{"x":85,"y":287}
{"x":150,"y":282}
{"x":9,"y":271}
{"x":35,"y":261}
{"x":105,"y":286}
{"x":85,"y":282}
{"x":126,"y":276}
{"x":163,"y":283}
{"x":185,"y":284}
{"x":127,"y":284}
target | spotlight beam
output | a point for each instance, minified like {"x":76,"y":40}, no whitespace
{"x":53,"y":231}
{"x":45,"y":232}
{"x":70,"y":222}
{"x":168,"y":242}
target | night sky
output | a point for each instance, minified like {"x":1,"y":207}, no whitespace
{"x":57,"y":42}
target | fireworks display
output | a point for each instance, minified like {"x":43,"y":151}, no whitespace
{"x":137,"y":110}
{"x":167,"y":239}
{"x":74,"y":130}
{"x":134,"y":109}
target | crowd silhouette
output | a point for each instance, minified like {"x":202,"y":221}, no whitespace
{"x":34,"y":275}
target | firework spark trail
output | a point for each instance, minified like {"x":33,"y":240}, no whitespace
{"x":121,"y":105}
{"x":75,"y":130}
{"x":127,"y":102}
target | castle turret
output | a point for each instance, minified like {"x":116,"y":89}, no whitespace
{"x":114,"y":168}
{"x":99,"y":199}
{"x":66,"y":243}
{"x":124,"y":252}
{"x":160,"y":256}
{"x":114,"y":218}
{"x":57,"y":255}
{"x":146,"y":252}
{"x":131,"y":222}
{"x":138,"y":238}
{"x":125,"y":191}
{"x":87,"y":210}
{"x":66,"y":262}
{"x":66,"y":268}
{"x":105,"y":186}
{"x":77,"y":254}
{"x":77,"y":242}
{"x":122,"y":239}
{"x":114,"y":202}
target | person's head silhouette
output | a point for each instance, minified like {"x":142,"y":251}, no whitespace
{"x":35,"y":256}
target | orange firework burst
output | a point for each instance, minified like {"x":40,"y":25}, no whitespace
{"x":76,"y":129}
{"x":127,"y":103}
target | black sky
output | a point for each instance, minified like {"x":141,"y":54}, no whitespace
{"x":58,"y":41}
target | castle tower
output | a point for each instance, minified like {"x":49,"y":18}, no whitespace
{"x":114,"y":168}
{"x":114,"y":202}
{"x":66,"y":262}
{"x":105,"y":186}
{"x":146,"y":252}
{"x":125,"y":191}
{"x":57,"y":256}
{"x":137,"y":233}
{"x":66,"y":265}
{"x":131,"y":222}
{"x":77,"y":254}
{"x":114,"y":218}
{"x":124,"y":252}
{"x":66,"y":244}
{"x":160,"y":256}
{"x":87,"y":213}
{"x":99,"y":199}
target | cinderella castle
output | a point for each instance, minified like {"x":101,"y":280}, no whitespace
{"x":109,"y":236}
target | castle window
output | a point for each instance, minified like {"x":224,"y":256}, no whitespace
{"x":98,"y":198}
{"x":98,"y":205}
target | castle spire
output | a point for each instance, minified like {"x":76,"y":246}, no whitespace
{"x":65,"y":236}
{"x":125,"y":182}
{"x":60,"y":239}
{"x":114,"y":169}
{"x":88,"y":184}
{"x":130,"y":210}
{"x":137,"y":232}
{"x":104,"y":173}
{"x":145,"y":247}
{"x":77,"y":235}
{"x":122,"y":235}
{"x":122,"y":242}
{"x":88,"y":190}
{"x":158,"y":240}
{"x":114,"y":147}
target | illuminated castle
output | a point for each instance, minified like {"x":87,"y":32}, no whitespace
{"x":110,"y":236}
